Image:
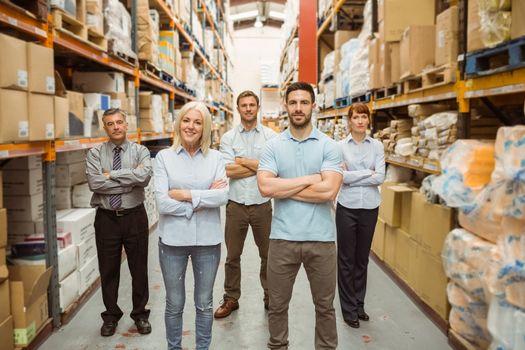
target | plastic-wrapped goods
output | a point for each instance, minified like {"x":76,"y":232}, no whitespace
{"x":426,"y":110}
{"x":329,"y":94}
{"x":147,"y":33}
{"x":468,"y":316}
{"x":482,"y":220}
{"x":397,"y":174}
{"x":508,"y":178}
{"x":506,"y":324}
{"x":494,"y":5}
{"x":495,"y":21}
{"x":404,"y":147}
{"x":117,"y":24}
{"x":466,"y":257}
{"x":512,"y":273}
{"x":328,"y":65}
{"x":359,"y":75}
{"x":466,"y":169}
{"x":348,"y":51}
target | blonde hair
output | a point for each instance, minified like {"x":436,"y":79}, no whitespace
{"x":200,"y":107}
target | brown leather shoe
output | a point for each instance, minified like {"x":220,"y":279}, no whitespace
{"x":226,"y":308}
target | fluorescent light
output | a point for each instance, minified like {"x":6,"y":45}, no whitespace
{"x":277,"y":15}
{"x":258,"y":23}
{"x":244,"y":15}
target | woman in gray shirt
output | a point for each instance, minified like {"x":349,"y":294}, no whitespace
{"x":190,"y":187}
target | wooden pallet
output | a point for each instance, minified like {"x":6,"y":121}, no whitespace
{"x":64,"y":22}
{"x":342,"y":102}
{"x":387,"y":92}
{"x":97,"y":39}
{"x":362,"y":98}
{"x":430,"y":78}
{"x":120,"y":55}
{"x":504,"y":57}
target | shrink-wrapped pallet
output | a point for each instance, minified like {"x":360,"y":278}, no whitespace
{"x":117,"y":24}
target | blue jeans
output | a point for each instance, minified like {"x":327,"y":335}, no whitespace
{"x":173,"y":262}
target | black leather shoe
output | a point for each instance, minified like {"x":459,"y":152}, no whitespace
{"x":362,"y":315}
{"x":352,"y":323}
{"x":108,"y":328}
{"x":266,"y":306}
{"x":143,"y":326}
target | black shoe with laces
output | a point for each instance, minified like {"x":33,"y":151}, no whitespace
{"x":108,"y":328}
{"x":143,"y":326}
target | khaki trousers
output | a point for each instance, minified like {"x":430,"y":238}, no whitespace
{"x":238,"y":218}
{"x":319,"y":260}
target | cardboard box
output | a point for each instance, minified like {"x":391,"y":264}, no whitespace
{"x":1,"y":190}
{"x":6,"y":333}
{"x":342,"y":36}
{"x":18,"y":231}
{"x":518,"y":14}
{"x":390,"y":246}
{"x":395,"y":62}
{"x":5,"y":300}
{"x":23,"y":182}
{"x":77,"y":221}
{"x":71,"y":157}
{"x":14,"y":115}
{"x":67,"y":261}
{"x":85,"y":251}
{"x":430,"y":223}
{"x":393,"y":198}
{"x":94,"y":6}
{"x":76,"y":104}
{"x":404,"y":247}
{"x":406,"y":209}
{"x":99,"y":82}
{"x":398,"y":14}
{"x":97,"y":101}
{"x":81,"y":196}
{"x":24,"y":208}
{"x":376,"y":80}
{"x":374,"y":47}
{"x":145,"y":99}
{"x":24,"y":163}
{"x":13,"y":63}
{"x":433,"y":290}
{"x":378,"y":243}
{"x":414,"y":267}
{"x":69,"y":290}
{"x":28,"y":300}
{"x":4,"y":273}
{"x":41,"y":117}
{"x":41,"y":69}
{"x":447,"y":37}
{"x":63,"y":198}
{"x":61,"y":120}
{"x":119,"y":100}
{"x":474,"y":41}
{"x":417,"y":49}
{"x":70,"y":174}
{"x":88,"y":274}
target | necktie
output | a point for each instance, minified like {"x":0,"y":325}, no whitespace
{"x":115,"y":200}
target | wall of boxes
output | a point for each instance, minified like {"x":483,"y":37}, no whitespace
{"x":56,"y":79}
{"x":450,"y":117}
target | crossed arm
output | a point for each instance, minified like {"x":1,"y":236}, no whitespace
{"x":243,"y":167}
{"x":315,"y":188}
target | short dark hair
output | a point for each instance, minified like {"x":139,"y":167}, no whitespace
{"x":300,"y":85}
{"x":359,"y":107}
{"x":247,"y":93}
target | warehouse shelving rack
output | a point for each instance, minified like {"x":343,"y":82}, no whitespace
{"x":464,"y":92}
{"x":24,"y":23}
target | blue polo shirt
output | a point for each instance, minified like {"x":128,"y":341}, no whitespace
{"x":286,"y":157}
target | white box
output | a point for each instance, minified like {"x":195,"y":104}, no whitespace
{"x":86,"y":250}
{"x":88,"y":274}
{"x":63,"y":198}
{"x":24,"y":208}
{"x":71,"y":157}
{"x":98,"y":82}
{"x":70,"y":174}
{"x":97,"y":101}
{"x":24,"y":163}
{"x":79,"y":222}
{"x":67,"y":261}
{"x":23,"y":182}
{"x":81,"y":197}
{"x":69,"y":290}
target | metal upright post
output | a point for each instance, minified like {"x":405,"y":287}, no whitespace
{"x":50,"y":234}
{"x":134,"y":25}
{"x":308,"y":41}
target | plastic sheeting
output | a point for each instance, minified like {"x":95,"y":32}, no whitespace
{"x":359,"y":76}
{"x":117,"y":23}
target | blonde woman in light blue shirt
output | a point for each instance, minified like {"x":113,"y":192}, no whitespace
{"x":356,"y":213}
{"x":190,"y":187}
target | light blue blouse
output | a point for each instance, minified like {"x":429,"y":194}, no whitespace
{"x":365,"y":162}
{"x":198,"y":222}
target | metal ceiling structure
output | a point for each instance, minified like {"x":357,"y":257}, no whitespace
{"x":249,"y":13}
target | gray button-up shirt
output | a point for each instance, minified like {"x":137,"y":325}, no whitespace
{"x":130,"y":180}
{"x":239,"y":142}
{"x":365,"y":162}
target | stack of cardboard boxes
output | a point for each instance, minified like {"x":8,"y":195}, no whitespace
{"x":27,"y":86}
{"x":151,"y":107}
{"x":169,"y":53}
{"x":6,"y":320}
{"x":409,"y":236}
{"x":95,"y":15}
{"x":70,"y":173}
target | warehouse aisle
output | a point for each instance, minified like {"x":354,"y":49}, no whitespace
{"x":396,"y":323}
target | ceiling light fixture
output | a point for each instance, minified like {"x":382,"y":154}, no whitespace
{"x":258,"y":23}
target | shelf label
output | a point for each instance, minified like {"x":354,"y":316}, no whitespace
{"x":23,"y":128}
{"x":12,"y":21}
{"x":4,"y":154}
{"x":40,"y":32}
{"x":71,"y":142}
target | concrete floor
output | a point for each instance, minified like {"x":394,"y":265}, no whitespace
{"x":396,"y":323}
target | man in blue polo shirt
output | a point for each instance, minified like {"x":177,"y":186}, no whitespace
{"x":301,"y":170}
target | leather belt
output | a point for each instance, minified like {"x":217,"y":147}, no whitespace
{"x":122,"y":212}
